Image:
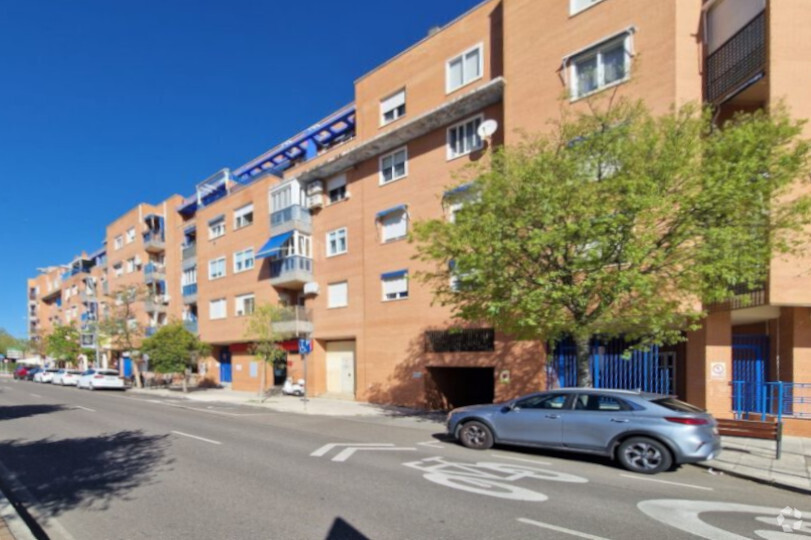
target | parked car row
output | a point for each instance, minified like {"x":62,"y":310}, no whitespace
{"x":92,"y":379}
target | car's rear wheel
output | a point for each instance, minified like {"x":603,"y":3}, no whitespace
{"x":644,"y":455}
{"x":476,"y":435}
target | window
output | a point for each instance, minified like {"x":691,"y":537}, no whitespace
{"x":543,"y":401}
{"x":336,"y":242}
{"x":245,"y":305}
{"x":118,"y":243}
{"x":464,"y":138}
{"x":243,"y":260}
{"x":598,"y":402}
{"x":395,"y":285}
{"x":130,"y":235}
{"x":118,"y":270}
{"x":392,"y":108}
{"x":130,"y":265}
{"x":338,"y":294}
{"x":217,"y":309}
{"x":393,"y":166}
{"x":576,"y":6}
{"x":189,"y":277}
{"x":216,"y":268}
{"x":216,"y":227}
{"x":336,"y":188}
{"x":464,"y":69}
{"x":243,"y":216}
{"x":599,"y":67}
{"x":394,"y":225}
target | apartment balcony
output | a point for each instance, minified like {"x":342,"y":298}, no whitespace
{"x":32,"y":295}
{"x":189,"y":256}
{"x":190,"y":294}
{"x":294,"y":321}
{"x":748,"y":305}
{"x":191,"y":326}
{"x":154,"y":242}
{"x":88,"y":296}
{"x":294,"y":217}
{"x":52,"y":295}
{"x":155,"y":304}
{"x":291,"y":272}
{"x":105,"y":288}
{"x":154,"y":272}
{"x":738,"y":63}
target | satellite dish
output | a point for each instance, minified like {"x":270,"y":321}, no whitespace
{"x":487,"y":128}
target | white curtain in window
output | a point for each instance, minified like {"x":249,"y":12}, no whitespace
{"x":394,"y":286}
{"x":395,"y":225}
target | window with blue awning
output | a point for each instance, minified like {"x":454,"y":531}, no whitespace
{"x":394,"y":275}
{"x":383,"y":213}
{"x":274,"y":245}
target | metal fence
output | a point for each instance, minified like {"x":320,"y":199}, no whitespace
{"x":776,"y":399}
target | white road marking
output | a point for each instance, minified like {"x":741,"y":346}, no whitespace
{"x":196,"y":437}
{"x":351,"y":448}
{"x":36,"y":395}
{"x":535,"y":461}
{"x":431,"y":444}
{"x":551,"y":527}
{"x":634,"y":477}
{"x":346,"y":453}
{"x":327,"y":447}
{"x":83,"y":408}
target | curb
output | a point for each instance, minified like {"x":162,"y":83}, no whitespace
{"x":762,"y":481}
{"x":16,"y":525}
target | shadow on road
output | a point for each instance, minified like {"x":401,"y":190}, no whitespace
{"x":13,"y":412}
{"x":341,"y":530}
{"x":85,"y":473}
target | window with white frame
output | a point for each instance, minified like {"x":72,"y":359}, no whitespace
{"x":118,"y":243}
{"x":118,"y":270}
{"x":393,"y":107}
{"x":393,"y":224}
{"x":216,"y":268}
{"x":130,"y":235}
{"x":336,"y":242}
{"x":464,"y":69}
{"x":243,"y":260}
{"x":243,"y":216}
{"x":189,"y":277}
{"x":393,"y":166}
{"x":576,"y":6}
{"x":217,"y":309}
{"x":130,"y":265}
{"x":395,"y":285}
{"x":336,"y":188}
{"x":601,"y":66}
{"x":337,"y":294}
{"x":463,"y":138}
{"x":244,"y":305}
{"x":216,"y":227}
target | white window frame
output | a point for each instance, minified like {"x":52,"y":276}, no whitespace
{"x":219,"y":302}
{"x":333,"y":299}
{"x":338,"y":181}
{"x":595,"y":52}
{"x":337,"y":233}
{"x":461,"y":56}
{"x":211,"y":276}
{"x":216,"y":229}
{"x":404,"y":216}
{"x":130,"y":265}
{"x":381,"y":179}
{"x":392,"y":104}
{"x":451,"y":151}
{"x":239,"y":216}
{"x":130,"y":238}
{"x":578,"y":6}
{"x":244,"y":260}
{"x":118,"y":242}
{"x":396,"y":295}
{"x":239,"y":304}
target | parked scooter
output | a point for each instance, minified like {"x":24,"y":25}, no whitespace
{"x":290,"y":388}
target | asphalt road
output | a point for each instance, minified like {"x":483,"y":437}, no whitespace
{"x":93,"y":465}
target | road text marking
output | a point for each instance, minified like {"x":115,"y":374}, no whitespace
{"x":351,"y":448}
{"x":535,"y":461}
{"x":196,"y":437}
{"x":631,"y":476}
{"x":551,"y":527}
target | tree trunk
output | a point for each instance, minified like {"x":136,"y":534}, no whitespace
{"x":136,"y":371}
{"x":583,"y":361}
{"x":185,"y":383}
{"x":262,"y":381}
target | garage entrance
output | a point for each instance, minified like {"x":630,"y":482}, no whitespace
{"x":452,"y":387}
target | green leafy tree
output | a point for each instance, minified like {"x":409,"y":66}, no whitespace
{"x":121,"y":327}
{"x":64,"y":344}
{"x":260,"y":330}
{"x":173,"y":349}
{"x":620,"y":223}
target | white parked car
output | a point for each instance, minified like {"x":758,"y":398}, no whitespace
{"x":96,"y":379}
{"x":67,"y":377}
{"x":45,"y":376}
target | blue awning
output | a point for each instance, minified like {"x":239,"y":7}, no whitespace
{"x":190,"y":229}
{"x":273,"y":245}
{"x":221,"y":217}
{"x":386,"y":212}
{"x":458,"y":189}
{"x":394,"y":275}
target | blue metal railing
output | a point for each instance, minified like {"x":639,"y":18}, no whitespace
{"x":152,"y":268}
{"x":291,"y":213}
{"x":191,"y":326}
{"x":154,"y":236}
{"x":287,"y":265}
{"x":190,"y":290}
{"x":776,"y":399}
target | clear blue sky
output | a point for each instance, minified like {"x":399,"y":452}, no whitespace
{"x":104,"y":104}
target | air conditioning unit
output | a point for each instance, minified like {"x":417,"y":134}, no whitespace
{"x":315,"y":201}
{"x":315,"y":187}
{"x":311,"y":287}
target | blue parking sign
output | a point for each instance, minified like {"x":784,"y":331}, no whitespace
{"x":305,"y":346}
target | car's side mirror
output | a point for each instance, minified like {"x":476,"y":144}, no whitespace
{"x":509,"y":407}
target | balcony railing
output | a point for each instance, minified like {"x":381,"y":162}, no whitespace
{"x":739,"y":60}
{"x":294,"y":320}
{"x":294,"y":270}
{"x":189,"y":293}
{"x":189,"y":252}
{"x":154,"y":241}
{"x":191,"y":326}
{"x":155,"y":304}
{"x":88,"y":296}
{"x":743,"y":296}
{"x":154,"y":272}
{"x":293,"y":217}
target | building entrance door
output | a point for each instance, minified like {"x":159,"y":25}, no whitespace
{"x":341,"y":368}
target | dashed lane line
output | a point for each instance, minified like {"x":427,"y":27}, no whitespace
{"x":196,"y":437}
{"x":564,"y":530}
{"x":84,"y":408}
{"x":643,"y":478}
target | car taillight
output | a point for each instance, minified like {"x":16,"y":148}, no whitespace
{"x":98,"y":376}
{"x":687,"y":421}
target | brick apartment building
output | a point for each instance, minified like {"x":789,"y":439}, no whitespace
{"x":319,"y":222}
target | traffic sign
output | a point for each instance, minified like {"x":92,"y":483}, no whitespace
{"x":305,"y":346}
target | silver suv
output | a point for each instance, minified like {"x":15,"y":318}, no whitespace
{"x":646,"y":433}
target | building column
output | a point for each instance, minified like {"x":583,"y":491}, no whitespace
{"x":794,"y":345}
{"x":709,"y":365}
